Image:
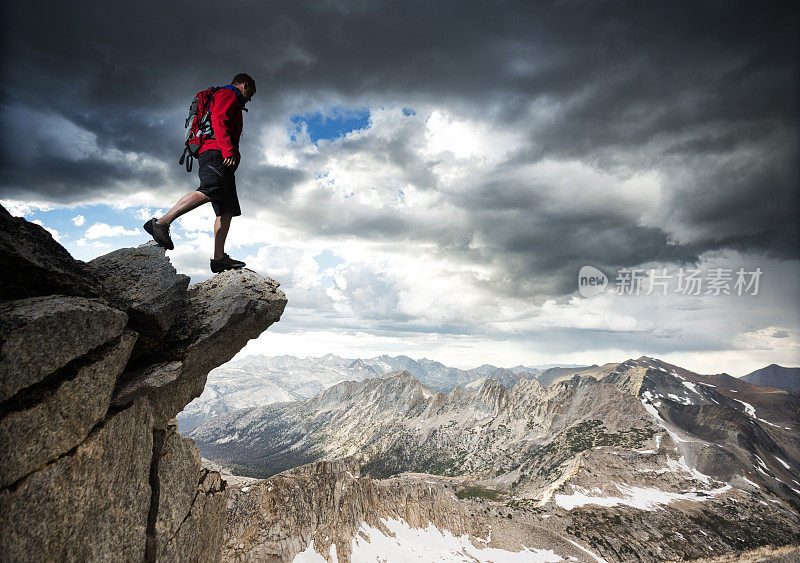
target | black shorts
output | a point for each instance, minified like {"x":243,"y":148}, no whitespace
{"x":218,"y":182}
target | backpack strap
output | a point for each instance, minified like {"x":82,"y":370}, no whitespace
{"x":186,"y":156}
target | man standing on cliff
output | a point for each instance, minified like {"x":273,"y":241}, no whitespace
{"x":219,"y":157}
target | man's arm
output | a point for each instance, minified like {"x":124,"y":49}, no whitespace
{"x":222,"y":108}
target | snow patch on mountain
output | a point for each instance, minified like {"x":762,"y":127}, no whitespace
{"x":643,"y":498}
{"x":404,"y":543}
{"x":751,"y":412}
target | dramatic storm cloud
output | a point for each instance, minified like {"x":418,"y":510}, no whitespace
{"x":432,"y":176}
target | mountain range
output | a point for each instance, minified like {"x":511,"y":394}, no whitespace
{"x":720,"y":455}
{"x":261,"y":380}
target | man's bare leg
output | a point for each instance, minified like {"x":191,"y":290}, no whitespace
{"x":185,"y":204}
{"x":221,"y":226}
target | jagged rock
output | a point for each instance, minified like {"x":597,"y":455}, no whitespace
{"x":200,"y":536}
{"x":222,"y":314}
{"x":82,"y":480}
{"x":146,"y":286}
{"x":183,"y":486}
{"x":42,"y":334}
{"x":191,"y":500}
{"x":178,"y":470}
{"x":328,"y":503}
{"x":34,"y":264}
{"x":53,"y":421}
{"x":88,"y":505}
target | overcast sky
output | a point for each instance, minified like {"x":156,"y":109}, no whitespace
{"x":427,"y":178}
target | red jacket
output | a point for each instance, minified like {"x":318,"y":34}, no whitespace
{"x":226,"y":121}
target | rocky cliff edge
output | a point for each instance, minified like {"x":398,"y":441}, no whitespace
{"x":96,"y":359}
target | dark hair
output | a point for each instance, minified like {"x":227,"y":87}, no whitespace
{"x":245,"y":79}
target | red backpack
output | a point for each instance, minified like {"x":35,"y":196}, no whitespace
{"x":199,"y":124}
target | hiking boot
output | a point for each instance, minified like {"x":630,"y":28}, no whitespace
{"x":236,"y":263}
{"x":160,"y":233}
{"x":226,"y":263}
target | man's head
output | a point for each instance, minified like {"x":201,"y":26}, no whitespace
{"x":245,"y":84}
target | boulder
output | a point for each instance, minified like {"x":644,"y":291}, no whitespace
{"x":222,"y":314}
{"x":39,"y":429}
{"x":143,"y":283}
{"x":33,"y":263}
{"x":43,"y":334}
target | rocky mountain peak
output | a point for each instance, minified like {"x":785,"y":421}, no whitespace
{"x":400,"y":375}
{"x":97,"y":360}
{"x":776,"y":376}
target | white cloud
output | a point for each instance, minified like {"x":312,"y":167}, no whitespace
{"x":79,"y":220}
{"x":101,"y":230}
{"x":96,"y":244}
{"x":24,"y":208}
{"x":468,"y":138}
{"x":143,"y":214}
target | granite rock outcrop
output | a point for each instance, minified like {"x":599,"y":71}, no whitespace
{"x":96,"y":359}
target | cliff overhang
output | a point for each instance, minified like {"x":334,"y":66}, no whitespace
{"x":96,"y":359}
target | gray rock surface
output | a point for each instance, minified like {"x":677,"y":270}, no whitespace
{"x":146,"y":286}
{"x":178,"y":467}
{"x":62,"y":417}
{"x":83,"y":479}
{"x":223,"y":314}
{"x":200,"y":536}
{"x":777,"y":376}
{"x":34,"y":264}
{"x":89,"y":505}
{"x":42,"y":334}
{"x":191,"y":502}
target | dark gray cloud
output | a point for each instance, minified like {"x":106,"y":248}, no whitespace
{"x":704,"y":93}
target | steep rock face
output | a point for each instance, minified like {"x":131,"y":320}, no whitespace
{"x":328,"y":505}
{"x":39,"y":425}
{"x":722,"y":426}
{"x":95,"y":359}
{"x":190,"y":517}
{"x":41,"y":335}
{"x":90,"y":504}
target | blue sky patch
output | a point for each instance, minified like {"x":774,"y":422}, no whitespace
{"x":327,"y":259}
{"x":336,"y":122}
